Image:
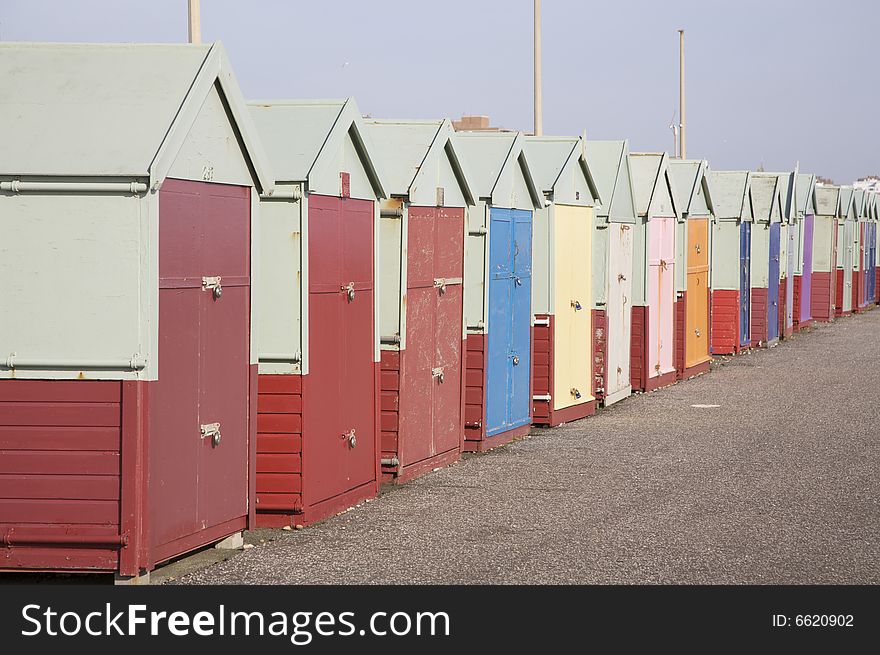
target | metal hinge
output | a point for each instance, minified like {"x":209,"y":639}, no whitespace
{"x":211,"y":430}
{"x":212,"y":284}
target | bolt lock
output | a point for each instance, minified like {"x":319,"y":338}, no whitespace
{"x":574,"y":392}
{"x":349,"y":290}
{"x":212,"y":284}
{"x":211,"y":430}
{"x":351,"y":438}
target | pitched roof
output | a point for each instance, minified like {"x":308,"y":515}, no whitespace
{"x":402,"y":148}
{"x":301,"y":134}
{"x":650,"y":172}
{"x":766,"y":195}
{"x":690,"y":176}
{"x":731,"y":194}
{"x":549,"y":156}
{"x":805,"y":194}
{"x":827,"y":200}
{"x":609,"y":162}
{"x":488,"y":155}
{"x":112,"y":109}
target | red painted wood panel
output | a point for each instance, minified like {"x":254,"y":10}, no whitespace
{"x":61,"y":391}
{"x":796,"y":299}
{"x":600,"y":352}
{"x":58,"y":413}
{"x":475,"y":380}
{"x":21,"y":511}
{"x":638,"y":340}
{"x":679,"y":326}
{"x":542,"y":369}
{"x":725,"y":321}
{"x":758,"y":323}
{"x":857,"y":301}
{"x":389,"y":383}
{"x":783,"y":292}
{"x":60,"y":437}
{"x":279,"y":446}
{"x":822,"y":296}
{"x":69,"y":487}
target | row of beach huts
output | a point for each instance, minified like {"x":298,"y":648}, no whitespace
{"x":220,"y":314}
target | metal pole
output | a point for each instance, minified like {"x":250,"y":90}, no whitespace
{"x":682,"y":149}
{"x":538,"y":109}
{"x":195,"y":21}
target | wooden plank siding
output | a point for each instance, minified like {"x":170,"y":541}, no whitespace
{"x":60,"y":470}
{"x":475,"y":380}
{"x":389,"y":390}
{"x":725,"y":321}
{"x":542,"y":369}
{"x":279,"y":445}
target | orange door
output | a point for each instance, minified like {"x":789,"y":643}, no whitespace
{"x":697,"y":333}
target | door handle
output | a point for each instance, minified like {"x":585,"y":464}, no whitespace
{"x":577,"y":305}
{"x":349,"y":290}
{"x":212,"y":284}
{"x":516,"y":360}
{"x":621,"y":277}
{"x":517,"y":281}
{"x":699,"y":249}
{"x":211,"y":430}
{"x":697,"y":331}
{"x":437,"y":373}
{"x":574,"y":392}
{"x":351,"y":438}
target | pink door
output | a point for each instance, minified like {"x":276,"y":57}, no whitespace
{"x":198,"y":482}
{"x":661,"y":294}
{"x":339,"y":391}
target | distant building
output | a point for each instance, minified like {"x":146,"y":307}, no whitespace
{"x":824,"y":181}
{"x":869,"y":183}
{"x":475,"y":124}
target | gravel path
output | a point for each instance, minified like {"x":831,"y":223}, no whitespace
{"x":779,"y":484}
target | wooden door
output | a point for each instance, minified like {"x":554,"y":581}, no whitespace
{"x":697,"y":321}
{"x":619,"y":306}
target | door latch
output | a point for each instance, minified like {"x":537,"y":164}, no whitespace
{"x":349,"y":291}
{"x":516,"y":360}
{"x":577,"y":305}
{"x":574,"y":392}
{"x":437,"y":373}
{"x":697,"y":331}
{"x":211,"y":430}
{"x":621,"y":277}
{"x":699,"y":249}
{"x":517,"y":281}
{"x":440,"y":285}
{"x":351,"y":438}
{"x":212,"y":284}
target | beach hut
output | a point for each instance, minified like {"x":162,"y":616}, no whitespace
{"x":421,"y":312}
{"x":128,"y":379}
{"x":805,"y":212}
{"x":860,"y":268}
{"x":731,"y":261}
{"x":692,"y":266}
{"x":498,"y":288}
{"x":561,"y":280}
{"x":787,"y":253}
{"x":824,"y":297}
{"x":765,"y":256}
{"x":874,"y":270}
{"x":652,"y":364}
{"x":615,"y":220}
{"x":847,"y":249}
{"x":317,"y":446}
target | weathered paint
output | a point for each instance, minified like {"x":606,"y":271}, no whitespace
{"x":661,"y":295}
{"x":508,"y":376}
{"x":773,"y":274}
{"x":619,"y":311}
{"x":745,"y":284}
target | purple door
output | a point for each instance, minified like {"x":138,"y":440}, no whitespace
{"x":807,"y":269}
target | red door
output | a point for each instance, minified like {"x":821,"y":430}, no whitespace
{"x":431,"y":396}
{"x":195,"y":481}
{"x":339,"y":391}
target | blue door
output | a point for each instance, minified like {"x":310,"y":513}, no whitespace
{"x":745,"y":295}
{"x":773,"y":285}
{"x":521,"y":343}
{"x":508,"y":366}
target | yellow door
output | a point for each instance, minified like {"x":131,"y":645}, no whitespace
{"x":697,"y":334}
{"x":572,"y":337}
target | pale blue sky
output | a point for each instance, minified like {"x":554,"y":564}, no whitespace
{"x":772,"y":81}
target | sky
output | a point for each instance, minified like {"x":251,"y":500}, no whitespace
{"x":770,"y":83}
